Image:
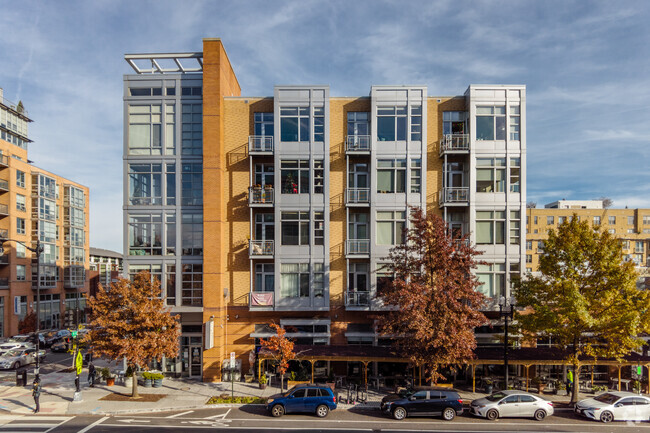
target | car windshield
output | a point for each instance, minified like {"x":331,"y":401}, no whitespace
{"x":606,"y":398}
{"x":288,"y":393}
{"x":496,"y":396}
{"x":10,"y":353}
{"x":404,"y":393}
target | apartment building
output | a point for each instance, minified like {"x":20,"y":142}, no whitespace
{"x":631,"y":226}
{"x":36,"y":204}
{"x":107,"y":263}
{"x":283,"y":208}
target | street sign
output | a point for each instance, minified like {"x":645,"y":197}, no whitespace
{"x":232,"y":360}
{"x":78,"y":362}
{"x":74,"y":334}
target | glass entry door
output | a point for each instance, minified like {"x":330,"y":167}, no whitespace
{"x":192,"y":356}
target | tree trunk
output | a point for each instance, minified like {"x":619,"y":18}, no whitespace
{"x":576,"y":383}
{"x":134,"y":386}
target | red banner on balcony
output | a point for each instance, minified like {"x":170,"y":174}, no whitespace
{"x":262,"y":299}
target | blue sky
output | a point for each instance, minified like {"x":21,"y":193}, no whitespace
{"x":585,"y":64}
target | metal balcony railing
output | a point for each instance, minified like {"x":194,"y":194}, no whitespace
{"x":357,"y":195}
{"x":454,"y":143}
{"x":357,"y":143}
{"x":454,"y":195}
{"x":260,"y":248}
{"x":4,"y":210}
{"x":259,"y":195}
{"x":4,"y":185}
{"x":4,"y":283}
{"x":260,"y":143}
{"x":4,"y":260}
{"x":357,"y":299}
{"x":358,"y":246}
{"x":4,"y":161}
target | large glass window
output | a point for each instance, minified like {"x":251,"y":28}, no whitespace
{"x":319,"y":177}
{"x":490,"y":227}
{"x":416,"y":123}
{"x":47,"y":231}
{"x":515,"y":174}
{"x":145,"y":235}
{"x":453,"y":122}
{"x":192,"y":234}
{"x":21,"y":273}
{"x":391,"y":123}
{"x":416,"y":175}
{"x":358,"y":123}
{"x":319,"y":228}
{"x":192,"y":129}
{"x":170,"y":129}
{"x":145,"y":130}
{"x":515,"y":227}
{"x":75,"y":236}
{"x":264,"y":227}
{"x":391,"y":175}
{"x":170,"y":230}
{"x":294,"y":124}
{"x":192,"y":184}
{"x":492,"y":277}
{"x":491,"y":123}
{"x":20,"y":226}
{"x":514,"y":122}
{"x":192,"y":284}
{"x":294,"y":176}
{"x":20,"y":179}
{"x":20,"y":202}
{"x":170,"y":284}
{"x":46,"y":209}
{"x":390,"y":227}
{"x":264,"y":277}
{"x":145,"y":184}
{"x":295,"y":228}
{"x":295,"y":280}
{"x":263,"y":124}
{"x":490,"y":174}
{"x":319,"y":124}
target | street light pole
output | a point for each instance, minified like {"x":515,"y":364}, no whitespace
{"x":506,"y":310}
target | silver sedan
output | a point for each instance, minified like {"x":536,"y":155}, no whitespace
{"x":511,"y":403}
{"x":615,"y":406}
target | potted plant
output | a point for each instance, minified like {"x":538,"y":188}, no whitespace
{"x":598,"y":388}
{"x":146,"y":377}
{"x":156,"y":379}
{"x":560,"y":388}
{"x":108,"y":376}
{"x":489,"y":385}
{"x":263,"y":381}
{"x":128,"y":378}
{"x":636,"y":386}
{"x":536,"y":381}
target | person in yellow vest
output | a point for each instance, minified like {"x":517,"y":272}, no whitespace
{"x":569,"y":382}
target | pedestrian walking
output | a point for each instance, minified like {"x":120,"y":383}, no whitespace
{"x":91,"y":374}
{"x":569,"y":382}
{"x":36,"y":393}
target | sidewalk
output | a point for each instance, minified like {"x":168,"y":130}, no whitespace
{"x":179,"y":394}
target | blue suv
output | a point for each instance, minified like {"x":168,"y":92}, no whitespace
{"x":303,"y":398}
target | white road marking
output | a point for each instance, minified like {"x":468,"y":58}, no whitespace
{"x":60,"y":424}
{"x":179,"y":414}
{"x":130,"y":420}
{"x":222,"y":416}
{"x":89,"y":426}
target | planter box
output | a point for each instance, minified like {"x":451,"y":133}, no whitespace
{"x":128,"y":382}
{"x":110,"y":381}
{"x":249,"y":378}
{"x":292,"y":383}
{"x":147,"y":383}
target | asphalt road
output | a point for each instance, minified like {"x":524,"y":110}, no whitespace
{"x":255,"y":419}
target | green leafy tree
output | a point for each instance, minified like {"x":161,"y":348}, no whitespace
{"x":436,"y":295}
{"x":131,"y":321}
{"x":585,"y":296}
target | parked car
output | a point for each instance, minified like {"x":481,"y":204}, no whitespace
{"x":303,"y":398}
{"x":430,"y":402}
{"x":511,"y":403}
{"x":61,"y":334}
{"x":615,"y":406}
{"x":16,"y":358}
{"x":8,"y":345}
{"x":59,"y":346}
{"x":30,"y":338}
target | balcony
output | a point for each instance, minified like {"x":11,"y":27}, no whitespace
{"x":4,"y":283}
{"x":454,"y":196}
{"x":357,"y":196}
{"x":357,"y":299}
{"x":261,"y":249}
{"x":454,"y":144}
{"x":260,"y":145}
{"x":4,"y":210}
{"x":4,"y":186}
{"x":4,"y":260}
{"x":357,"y":248}
{"x":260,"y":197}
{"x":357,"y":144}
{"x":4,"y":161}
{"x":262,"y":300}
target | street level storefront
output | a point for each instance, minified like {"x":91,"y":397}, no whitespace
{"x":528,"y":363}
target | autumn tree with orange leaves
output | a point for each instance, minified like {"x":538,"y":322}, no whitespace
{"x":281,"y":349}
{"x":131,"y":321}
{"x":435,"y":292}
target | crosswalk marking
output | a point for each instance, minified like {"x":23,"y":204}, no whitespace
{"x":179,"y":414}
{"x":36,"y":424}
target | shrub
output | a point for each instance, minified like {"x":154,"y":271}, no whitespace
{"x":263,"y":379}
{"x":152,"y":376}
{"x":239,"y":400}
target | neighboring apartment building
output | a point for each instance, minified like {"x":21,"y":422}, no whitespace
{"x":106,"y":263}
{"x":259,"y":209}
{"x":631,"y":226}
{"x":37,"y":204}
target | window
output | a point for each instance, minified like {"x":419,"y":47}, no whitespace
{"x":319,"y":124}
{"x":391,"y":123}
{"x":529,"y":258}
{"x":550,"y":220}
{"x":170,"y":284}
{"x":170,"y":91}
{"x":20,"y":226}
{"x":295,"y":228}
{"x":319,"y":228}
{"x":20,"y":179}
{"x":294,"y":176}
{"x":391,"y":175}
{"x":170,"y":184}
{"x":145,"y":235}
{"x":416,"y":123}
{"x":491,"y":123}
{"x":490,"y":227}
{"x":646,"y":219}
{"x":390,"y":227}
{"x":21,"y":273}
{"x":540,"y":247}
{"x":145,"y":130}
{"x":170,"y":230}
{"x":192,"y":234}
{"x":638,"y":247}
{"x":596,"y":220}
{"x":74,"y":236}
{"x":514,"y":122}
{"x":612,"y":231}
{"x":20,"y":202}
{"x":385,"y":278}
{"x":295,"y":280}
{"x":192,"y":91}
{"x":358,"y":277}
{"x":75,"y":217}
{"x":630,"y":230}
{"x":319,"y":280}
{"x":192,"y":184}
{"x":453,"y":122}
{"x":416,"y":175}
{"x":492,"y":278}
{"x":263,"y":123}
{"x":529,"y":245}
{"x":611,"y":220}
{"x":20,"y":250}
{"x":319,"y":179}
{"x":561,"y":219}
{"x":145,"y":184}
{"x":294,"y":124}
{"x":625,"y":244}
{"x":264,"y":277}
{"x":515,"y":227}
{"x":490,"y":174}
{"x":534,"y":220}
{"x":192,"y":129}
{"x":515,"y":174}
{"x":630,"y":220}
{"x":358,"y":123}
{"x":47,"y":231}
{"x":170,"y":129}
{"x":146,"y":91}
{"x":192,"y":284}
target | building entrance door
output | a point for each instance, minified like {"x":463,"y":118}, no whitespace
{"x":192,"y":357}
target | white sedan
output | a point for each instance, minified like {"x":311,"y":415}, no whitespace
{"x":615,"y":406}
{"x":16,"y":358}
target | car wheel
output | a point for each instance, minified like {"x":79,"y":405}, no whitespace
{"x":277,"y":410}
{"x":492,"y":414}
{"x":399,"y":413}
{"x":448,"y":414}
{"x":606,"y":416}
{"x":17,"y":365}
{"x":540,"y":414}
{"x":322,"y":411}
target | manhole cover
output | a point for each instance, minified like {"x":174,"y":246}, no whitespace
{"x":185,"y":388}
